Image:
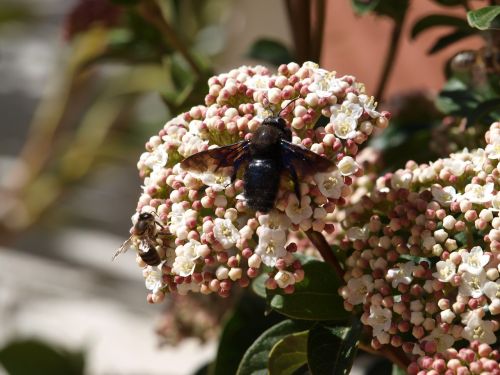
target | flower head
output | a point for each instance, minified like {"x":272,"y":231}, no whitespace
{"x":208,"y":238}
{"x":427,"y":238}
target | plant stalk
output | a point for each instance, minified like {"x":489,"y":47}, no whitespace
{"x":153,"y":14}
{"x":390,"y":58}
{"x":393,"y":354}
{"x":319,"y":241}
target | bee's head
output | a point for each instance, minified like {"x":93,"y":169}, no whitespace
{"x":146,"y":216}
{"x":276,"y":121}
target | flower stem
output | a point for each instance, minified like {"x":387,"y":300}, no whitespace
{"x":319,"y":241}
{"x":390,"y":57}
{"x":153,"y":14}
{"x":395,"y":355}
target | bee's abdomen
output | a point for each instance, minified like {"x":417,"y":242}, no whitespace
{"x":150,"y":257}
{"x":262,"y":179}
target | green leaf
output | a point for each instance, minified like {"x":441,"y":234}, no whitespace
{"x":332,"y":349}
{"x":437,"y":20}
{"x":15,"y":13}
{"x":482,"y":18}
{"x":314,"y":298}
{"x":270,"y":51}
{"x":241,"y":329}
{"x":289,"y":354}
{"x":364,"y":6}
{"x":456,"y":98}
{"x":482,"y":110}
{"x":396,"y":370}
{"x":36,"y":357}
{"x":395,"y":9}
{"x":258,"y":285}
{"x":450,"y":3}
{"x":449,"y":39}
{"x":255,"y":360}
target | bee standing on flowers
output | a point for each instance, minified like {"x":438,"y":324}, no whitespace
{"x":267,"y":154}
{"x":144,"y":231}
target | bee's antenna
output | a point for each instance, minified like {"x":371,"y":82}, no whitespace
{"x":291,"y":101}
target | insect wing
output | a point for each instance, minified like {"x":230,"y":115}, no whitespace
{"x":123,"y":248}
{"x":213,"y":159}
{"x":305,"y":162}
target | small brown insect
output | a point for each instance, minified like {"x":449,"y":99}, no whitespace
{"x":144,"y":230}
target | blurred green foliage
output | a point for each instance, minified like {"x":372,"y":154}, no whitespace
{"x":32,"y":356}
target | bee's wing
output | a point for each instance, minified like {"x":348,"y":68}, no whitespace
{"x":123,"y":248}
{"x":304,"y":161}
{"x":216,"y":158}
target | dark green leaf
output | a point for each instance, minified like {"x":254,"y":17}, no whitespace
{"x":258,"y":285}
{"x":241,"y":329}
{"x":28,"y":357}
{"x":395,"y":9}
{"x":289,"y":354}
{"x":450,"y":3}
{"x":457,"y":98}
{"x":204,"y":369}
{"x":322,"y":122}
{"x":331,"y":349}
{"x":437,"y":20}
{"x":364,"y":6}
{"x":461,"y":238}
{"x":482,"y":18}
{"x":270,"y":51}
{"x":413,"y":258}
{"x":482,"y":110}
{"x":255,"y":360}
{"x":315,"y":298}
{"x":449,"y":39}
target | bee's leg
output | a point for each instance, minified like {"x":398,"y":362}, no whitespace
{"x":295,"y":180}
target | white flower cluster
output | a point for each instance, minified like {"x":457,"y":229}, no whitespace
{"x":424,"y":253}
{"x":216,"y":241}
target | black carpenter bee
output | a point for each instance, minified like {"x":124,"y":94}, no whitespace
{"x":266,"y":155}
{"x":144,"y":230}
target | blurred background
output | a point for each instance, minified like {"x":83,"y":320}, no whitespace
{"x":85,"y":83}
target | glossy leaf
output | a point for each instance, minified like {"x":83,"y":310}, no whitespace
{"x":258,"y":285}
{"x":332,"y":349}
{"x":255,"y":360}
{"x":437,"y":20}
{"x":364,"y":6}
{"x":450,"y":39}
{"x":270,"y":51}
{"x":245,"y":325}
{"x":482,"y":18}
{"x":315,"y":298}
{"x":289,"y":354}
{"x":37,"y":357}
{"x":456,"y":98}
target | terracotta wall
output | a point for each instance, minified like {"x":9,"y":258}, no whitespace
{"x":357,"y":45}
